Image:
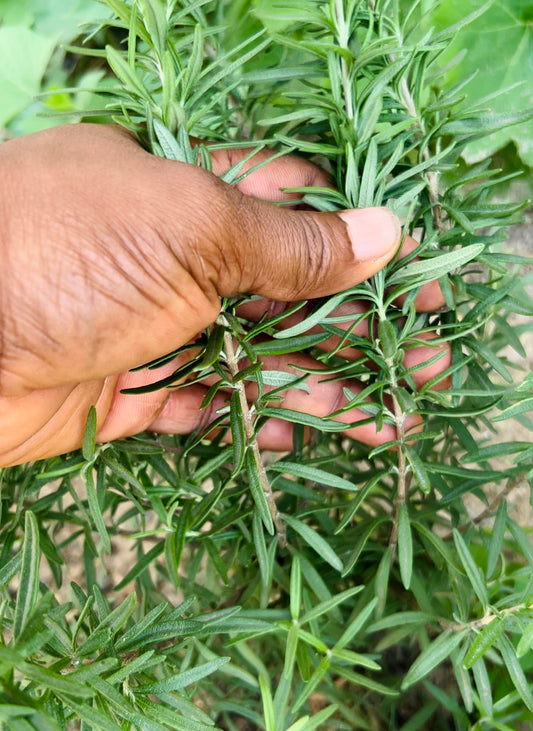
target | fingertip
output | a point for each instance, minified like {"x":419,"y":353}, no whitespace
{"x":375,"y":233}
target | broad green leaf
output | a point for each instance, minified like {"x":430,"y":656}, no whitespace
{"x":432,"y":656}
{"x":500,"y":54}
{"x":24,"y":56}
{"x":54,"y":19}
{"x":28,"y":590}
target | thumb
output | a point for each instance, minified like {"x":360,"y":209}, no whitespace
{"x":234,"y":243}
{"x":289,"y":255}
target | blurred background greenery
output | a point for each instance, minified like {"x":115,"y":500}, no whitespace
{"x":491,"y":61}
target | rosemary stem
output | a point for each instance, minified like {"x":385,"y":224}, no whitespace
{"x":483,"y":621}
{"x":343,"y":38}
{"x":251,"y":440}
{"x":401,"y":489}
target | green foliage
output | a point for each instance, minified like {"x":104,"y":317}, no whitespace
{"x":32,"y":61}
{"x":24,"y":56}
{"x":336,"y":586}
{"x":500,"y":51}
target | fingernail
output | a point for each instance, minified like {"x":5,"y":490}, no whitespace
{"x":375,"y":232}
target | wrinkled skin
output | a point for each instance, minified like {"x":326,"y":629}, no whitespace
{"x":112,"y":257}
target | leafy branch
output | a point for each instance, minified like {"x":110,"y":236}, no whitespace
{"x":386,"y":568}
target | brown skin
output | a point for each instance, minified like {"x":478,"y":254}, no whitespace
{"x":112,"y":257}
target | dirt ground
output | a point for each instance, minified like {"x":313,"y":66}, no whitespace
{"x":519,"y":503}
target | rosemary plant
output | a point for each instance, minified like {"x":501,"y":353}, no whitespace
{"x":335,"y":587}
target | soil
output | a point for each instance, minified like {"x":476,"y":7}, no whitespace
{"x":519,"y":501}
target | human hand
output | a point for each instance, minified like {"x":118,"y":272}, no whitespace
{"x":113,"y":257}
